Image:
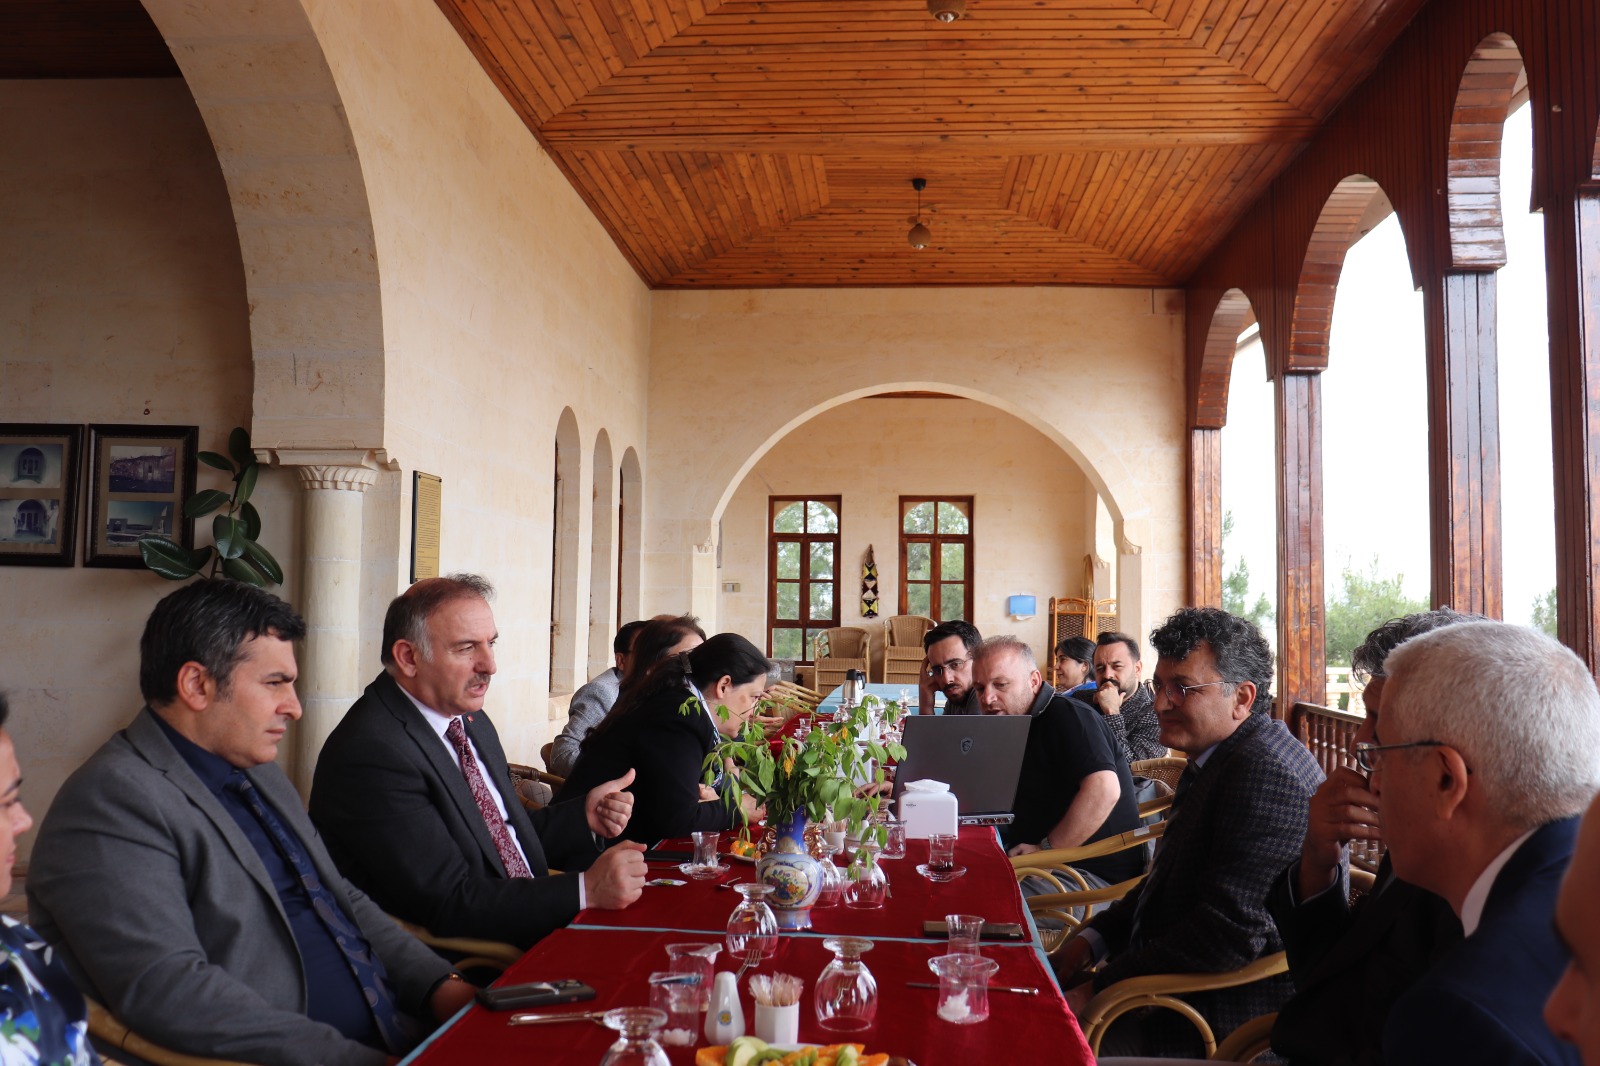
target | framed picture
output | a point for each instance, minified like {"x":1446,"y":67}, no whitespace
{"x":140,"y":476}
{"x":38,"y":493}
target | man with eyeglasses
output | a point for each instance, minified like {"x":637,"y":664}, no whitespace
{"x":1238,"y":818}
{"x":1351,"y":962}
{"x":947,"y":668}
{"x":1487,"y":752}
{"x":1123,"y":700}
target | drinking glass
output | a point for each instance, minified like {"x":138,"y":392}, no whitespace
{"x":637,"y":1045}
{"x":700,"y":960}
{"x":942,"y":852}
{"x":705,"y":865}
{"x":894,"y":838}
{"x":752,"y":928}
{"x":869,"y":885}
{"x":833,"y":878}
{"x":965,"y":930}
{"x":846,"y":996}
{"x":963,"y":987}
{"x":681,"y":1004}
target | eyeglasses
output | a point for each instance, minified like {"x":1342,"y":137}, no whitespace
{"x":1177,"y":693}
{"x":1366,"y":754}
{"x":940,"y":669}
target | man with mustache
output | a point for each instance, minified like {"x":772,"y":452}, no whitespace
{"x":413,"y":794}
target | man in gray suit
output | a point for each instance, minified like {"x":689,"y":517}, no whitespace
{"x":591,"y":703}
{"x":183,"y":885}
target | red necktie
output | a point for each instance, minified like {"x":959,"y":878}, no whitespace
{"x":510,"y":857}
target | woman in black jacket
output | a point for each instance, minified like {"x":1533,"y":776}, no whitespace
{"x":664,"y":727}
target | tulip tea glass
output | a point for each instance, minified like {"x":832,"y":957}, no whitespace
{"x":752,"y":927}
{"x":637,"y":1045}
{"x":846,"y":996}
{"x":894,"y":842}
{"x":705,"y":865}
{"x":965,"y":929}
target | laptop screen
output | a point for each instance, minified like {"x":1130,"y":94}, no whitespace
{"x":978,"y":756}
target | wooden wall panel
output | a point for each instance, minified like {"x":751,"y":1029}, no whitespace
{"x":1298,"y":428}
{"x":1204,"y":583}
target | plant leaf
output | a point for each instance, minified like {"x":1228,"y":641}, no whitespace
{"x":247,"y":481}
{"x":240,"y":570}
{"x":229,"y":535}
{"x":239,"y":446}
{"x":252,"y":521}
{"x":204,"y":502}
{"x":213,"y":459}
{"x":262,"y":560}
{"x":164,"y":557}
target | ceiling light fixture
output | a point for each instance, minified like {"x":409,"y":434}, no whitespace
{"x":919,"y":235}
{"x":947,"y":10}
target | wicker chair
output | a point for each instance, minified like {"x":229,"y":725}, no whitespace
{"x":902,"y":649}
{"x":534,"y":787}
{"x":109,"y":1032}
{"x":839,"y":650}
{"x":470,"y":953}
{"x":1072,"y":891}
{"x":1163,"y":990}
{"x":1167,"y":770}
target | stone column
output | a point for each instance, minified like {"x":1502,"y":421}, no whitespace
{"x":330,"y":600}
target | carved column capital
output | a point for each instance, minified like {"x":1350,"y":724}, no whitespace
{"x":348,"y":478}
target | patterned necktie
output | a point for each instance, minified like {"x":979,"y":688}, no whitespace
{"x":367,"y":967}
{"x":499,"y":832}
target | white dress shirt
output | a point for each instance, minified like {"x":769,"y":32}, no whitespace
{"x":1478,"y":894}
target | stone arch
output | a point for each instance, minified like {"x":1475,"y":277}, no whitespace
{"x":564,"y":556}
{"x":1354,"y":206}
{"x":630,"y":531}
{"x":1488,"y":90}
{"x":1233,"y":313}
{"x":269,"y":101}
{"x":602,"y":557}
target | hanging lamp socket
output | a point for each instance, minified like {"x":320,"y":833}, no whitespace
{"x":947,"y":10}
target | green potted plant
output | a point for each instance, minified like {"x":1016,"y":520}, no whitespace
{"x":236,"y":552}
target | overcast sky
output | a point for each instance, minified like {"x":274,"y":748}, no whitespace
{"x":1374,"y":429}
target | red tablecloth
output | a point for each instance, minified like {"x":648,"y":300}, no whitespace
{"x":618,"y":961}
{"x":988,"y":888}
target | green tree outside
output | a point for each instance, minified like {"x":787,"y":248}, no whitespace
{"x":1236,"y":587}
{"x":1368,"y":599}
{"x":1544,"y":613}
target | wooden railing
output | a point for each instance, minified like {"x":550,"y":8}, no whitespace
{"x":1343,"y":692}
{"x":1329,"y":734}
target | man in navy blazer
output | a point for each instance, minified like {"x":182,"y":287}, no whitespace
{"x":1488,"y":749}
{"x":1238,"y":818}
{"x":1573,"y":1009}
{"x":441,"y":840}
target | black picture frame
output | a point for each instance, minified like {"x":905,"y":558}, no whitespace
{"x":140,"y":478}
{"x":39,"y":464}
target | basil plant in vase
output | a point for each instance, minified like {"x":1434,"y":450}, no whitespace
{"x":234,"y":530}
{"x":813,"y":779}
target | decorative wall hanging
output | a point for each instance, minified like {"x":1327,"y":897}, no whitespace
{"x":869,"y":586}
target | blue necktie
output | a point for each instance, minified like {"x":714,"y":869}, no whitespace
{"x":367,"y":967}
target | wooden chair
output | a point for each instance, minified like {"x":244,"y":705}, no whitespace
{"x":534,"y":787}
{"x":902,"y":649}
{"x":470,"y":953}
{"x":1163,"y":990}
{"x":839,"y":650}
{"x":109,"y":1032}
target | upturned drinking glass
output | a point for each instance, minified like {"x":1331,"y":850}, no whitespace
{"x":833,"y":878}
{"x":752,"y":927}
{"x":637,"y":1045}
{"x":868,"y":886}
{"x":846,"y":996}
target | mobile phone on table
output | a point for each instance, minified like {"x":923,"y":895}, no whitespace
{"x":991,"y":930}
{"x":534,"y":994}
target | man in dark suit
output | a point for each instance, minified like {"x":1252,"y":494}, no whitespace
{"x":179,"y":880}
{"x":1238,"y":818}
{"x":1350,"y":964}
{"x":413,"y":795}
{"x":1488,"y":749}
{"x":1573,"y":1009}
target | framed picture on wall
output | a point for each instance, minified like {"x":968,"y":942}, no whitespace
{"x":140,"y":476}
{"x":38,"y":493}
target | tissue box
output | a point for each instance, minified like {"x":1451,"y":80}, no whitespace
{"x":926,"y":813}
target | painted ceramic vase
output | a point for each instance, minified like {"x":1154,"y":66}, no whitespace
{"x":794,"y":874}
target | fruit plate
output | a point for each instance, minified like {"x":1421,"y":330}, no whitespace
{"x":748,"y":860}
{"x":825,"y":1055}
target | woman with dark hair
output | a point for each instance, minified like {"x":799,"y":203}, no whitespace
{"x":43,"y":1017}
{"x":663,"y":635}
{"x":664,"y":727}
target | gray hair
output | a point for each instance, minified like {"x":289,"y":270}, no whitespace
{"x":1521,"y":709}
{"x":408,"y":614}
{"x":997,"y":645}
{"x":1367,"y":661}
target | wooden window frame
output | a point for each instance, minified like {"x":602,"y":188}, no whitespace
{"x":936,"y":541}
{"x":804,"y":623}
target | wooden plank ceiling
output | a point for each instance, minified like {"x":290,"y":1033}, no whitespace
{"x":757,"y":143}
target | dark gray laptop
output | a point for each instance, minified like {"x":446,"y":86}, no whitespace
{"x":978,"y":756}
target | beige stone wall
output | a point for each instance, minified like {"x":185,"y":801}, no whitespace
{"x":504,"y":302}
{"x":123,"y":300}
{"x":733,"y":373}
{"x":1028,"y":508}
